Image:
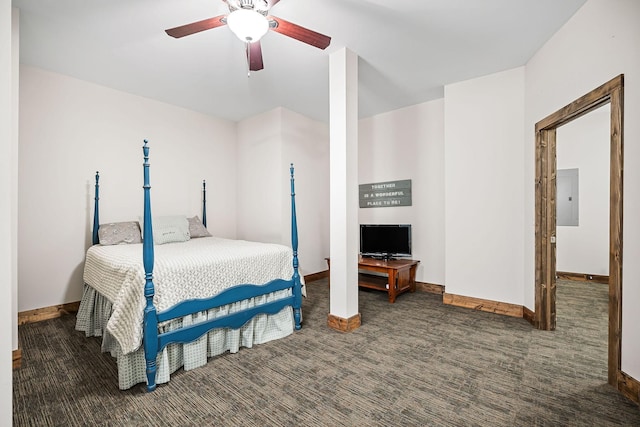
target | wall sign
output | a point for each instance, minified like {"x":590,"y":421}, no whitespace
{"x":385,"y":194}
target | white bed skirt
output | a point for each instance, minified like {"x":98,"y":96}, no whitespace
{"x":95,"y":310}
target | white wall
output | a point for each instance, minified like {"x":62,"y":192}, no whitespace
{"x":7,"y":316}
{"x":68,"y":130}
{"x":598,"y":43}
{"x":259,"y":176}
{"x":306,"y":145}
{"x":584,"y":144}
{"x":483,"y":154}
{"x":409,"y":144}
{"x":15,"y":96}
{"x":267,"y":145}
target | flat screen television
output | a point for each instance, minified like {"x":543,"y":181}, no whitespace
{"x":385,"y":240}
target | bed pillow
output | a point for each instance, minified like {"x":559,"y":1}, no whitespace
{"x":197,"y":228}
{"x":117,"y":233}
{"x":168,"y":229}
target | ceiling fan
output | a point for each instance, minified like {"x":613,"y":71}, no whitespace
{"x":249,"y":20}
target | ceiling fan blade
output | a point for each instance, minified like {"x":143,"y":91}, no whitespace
{"x":254,"y":56}
{"x":297,"y":32}
{"x":272,"y":3}
{"x":196,"y":27}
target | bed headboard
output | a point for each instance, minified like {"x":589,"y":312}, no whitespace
{"x":204,"y":203}
{"x":96,"y":220}
{"x":95,"y":239}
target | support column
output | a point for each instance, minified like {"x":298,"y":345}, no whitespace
{"x":343,"y":154}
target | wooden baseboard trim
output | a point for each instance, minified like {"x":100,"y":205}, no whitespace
{"x":529,"y":315}
{"x":582,"y":277}
{"x":17,"y":358}
{"x":497,"y":307}
{"x":629,"y":387}
{"x":344,"y":325}
{"x":316,"y":276}
{"x":430,"y":287}
{"x":45,"y":313}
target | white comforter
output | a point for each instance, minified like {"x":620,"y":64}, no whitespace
{"x":198,"y":268}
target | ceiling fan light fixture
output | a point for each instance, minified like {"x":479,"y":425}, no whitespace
{"x":248,"y":25}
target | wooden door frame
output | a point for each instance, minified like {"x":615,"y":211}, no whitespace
{"x":545,"y":206}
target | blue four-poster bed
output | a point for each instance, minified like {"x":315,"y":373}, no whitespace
{"x":219,"y":303}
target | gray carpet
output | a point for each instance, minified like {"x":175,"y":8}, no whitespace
{"x":415,"y":363}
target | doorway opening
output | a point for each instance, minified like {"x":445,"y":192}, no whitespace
{"x":545,"y":215}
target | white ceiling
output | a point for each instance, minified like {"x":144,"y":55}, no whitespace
{"x":408,"y":49}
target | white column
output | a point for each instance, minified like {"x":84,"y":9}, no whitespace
{"x":343,"y":153}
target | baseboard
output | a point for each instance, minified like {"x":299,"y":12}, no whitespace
{"x":430,"y":287}
{"x":582,"y":277}
{"x":17,"y":358}
{"x":529,"y":316}
{"x":316,"y":276}
{"x":497,"y":307}
{"x":629,"y":387}
{"x":344,"y":325}
{"x":45,"y":313}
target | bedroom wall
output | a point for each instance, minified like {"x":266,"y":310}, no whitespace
{"x":483,"y":154}
{"x":15,"y":78}
{"x":267,"y":144}
{"x":409,"y":144}
{"x":68,"y":130}
{"x":306,"y":145}
{"x":598,"y":43}
{"x":259,"y":176}
{"x":584,"y":144}
{"x":6,"y":222}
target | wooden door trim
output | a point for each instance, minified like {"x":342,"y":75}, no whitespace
{"x":545,"y":225}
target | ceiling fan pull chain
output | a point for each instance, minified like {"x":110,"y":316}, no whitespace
{"x":248,"y":59}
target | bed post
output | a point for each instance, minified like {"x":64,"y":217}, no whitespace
{"x":96,"y":221}
{"x":297,"y":286}
{"x":150,"y":331}
{"x":204,"y":203}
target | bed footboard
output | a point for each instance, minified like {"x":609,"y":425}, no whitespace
{"x":154,"y":342}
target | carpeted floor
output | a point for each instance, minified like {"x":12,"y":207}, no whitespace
{"x":413,"y":363}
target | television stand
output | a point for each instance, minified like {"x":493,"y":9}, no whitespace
{"x":399,"y":275}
